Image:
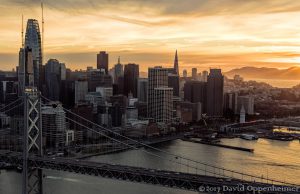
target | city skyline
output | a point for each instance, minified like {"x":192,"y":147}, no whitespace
{"x":232,"y":34}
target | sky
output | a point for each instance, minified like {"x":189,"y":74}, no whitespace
{"x":207,"y":33}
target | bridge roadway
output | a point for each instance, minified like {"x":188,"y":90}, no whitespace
{"x":164,"y":178}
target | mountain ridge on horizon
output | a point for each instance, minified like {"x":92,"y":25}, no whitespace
{"x":248,"y":72}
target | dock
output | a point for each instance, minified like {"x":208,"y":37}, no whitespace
{"x":219,"y":145}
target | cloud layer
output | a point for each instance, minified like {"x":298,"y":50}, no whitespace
{"x":225,"y":33}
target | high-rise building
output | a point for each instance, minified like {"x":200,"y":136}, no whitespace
{"x":7,"y":90}
{"x":158,"y":79}
{"x":131,"y":76}
{"x":115,"y":112}
{"x":102,"y":61}
{"x":95,"y":99}
{"x":21,"y":73}
{"x":67,"y":93}
{"x":173,"y":82}
{"x":118,"y":71}
{"x":25,"y":70}
{"x":176,"y":65}
{"x":184,"y":73}
{"x":142,"y":89}
{"x":247,"y":102}
{"x":230,"y":102}
{"x":196,"y":91}
{"x":204,"y":76}
{"x":33,"y":41}
{"x":163,"y":104}
{"x":54,"y":125}
{"x":215,"y":88}
{"x":194,"y":73}
{"x":81,"y":89}
{"x":98,"y":78}
{"x":119,"y":86}
{"x":55,"y":72}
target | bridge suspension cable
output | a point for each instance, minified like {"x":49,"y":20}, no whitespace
{"x":216,"y":170}
{"x":8,"y":105}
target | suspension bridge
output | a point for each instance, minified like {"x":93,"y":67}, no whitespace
{"x":25,"y":146}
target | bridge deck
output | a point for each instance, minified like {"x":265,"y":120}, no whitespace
{"x":165,"y":178}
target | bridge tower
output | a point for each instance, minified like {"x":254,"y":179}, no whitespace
{"x":32,"y":178}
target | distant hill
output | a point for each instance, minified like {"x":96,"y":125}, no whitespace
{"x":292,"y":73}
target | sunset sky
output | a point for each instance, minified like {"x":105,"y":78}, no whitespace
{"x":207,"y":33}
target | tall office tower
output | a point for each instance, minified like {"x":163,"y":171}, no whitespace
{"x":54,"y":74}
{"x":247,"y":102}
{"x":196,"y":91}
{"x":25,"y":72}
{"x":230,"y":102}
{"x":102,"y":61}
{"x":215,"y":88}
{"x":54,"y":125}
{"x":95,"y":99}
{"x":184,"y":73}
{"x":173,"y":82}
{"x":194,"y":73}
{"x":33,"y":41}
{"x":7,"y":88}
{"x":21,"y":72}
{"x":115,"y":112}
{"x":142,"y":89}
{"x":118,"y":71}
{"x":176,"y":65}
{"x":97,"y":78}
{"x":204,"y":76}
{"x":163,"y":104}
{"x":131,"y":76}
{"x":81,"y":89}
{"x":67,"y":93}
{"x":119,"y":86}
{"x":157,"y":78}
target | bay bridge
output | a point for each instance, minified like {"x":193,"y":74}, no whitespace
{"x":25,"y":150}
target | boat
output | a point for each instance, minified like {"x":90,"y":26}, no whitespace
{"x":282,"y":138}
{"x":249,"y":137}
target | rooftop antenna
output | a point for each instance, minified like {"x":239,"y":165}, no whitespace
{"x":42,"y":6}
{"x":22,"y":33}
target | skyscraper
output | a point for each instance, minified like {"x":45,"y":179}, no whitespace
{"x":131,"y":76}
{"x":25,"y":72}
{"x":247,"y":102}
{"x":33,"y":42}
{"x":142,"y":89}
{"x":81,"y":89}
{"x":118,"y":71}
{"x":54,"y":74}
{"x":184,"y":73}
{"x":194,"y":73}
{"x":215,"y":88}
{"x":54,"y":125}
{"x":158,"y":94}
{"x":204,"y":76}
{"x":176,"y":65}
{"x":163,"y":104}
{"x":195,"y":91}
{"x":97,"y":78}
{"x":102,"y":61}
{"x":173,"y":82}
{"x":230,"y":102}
